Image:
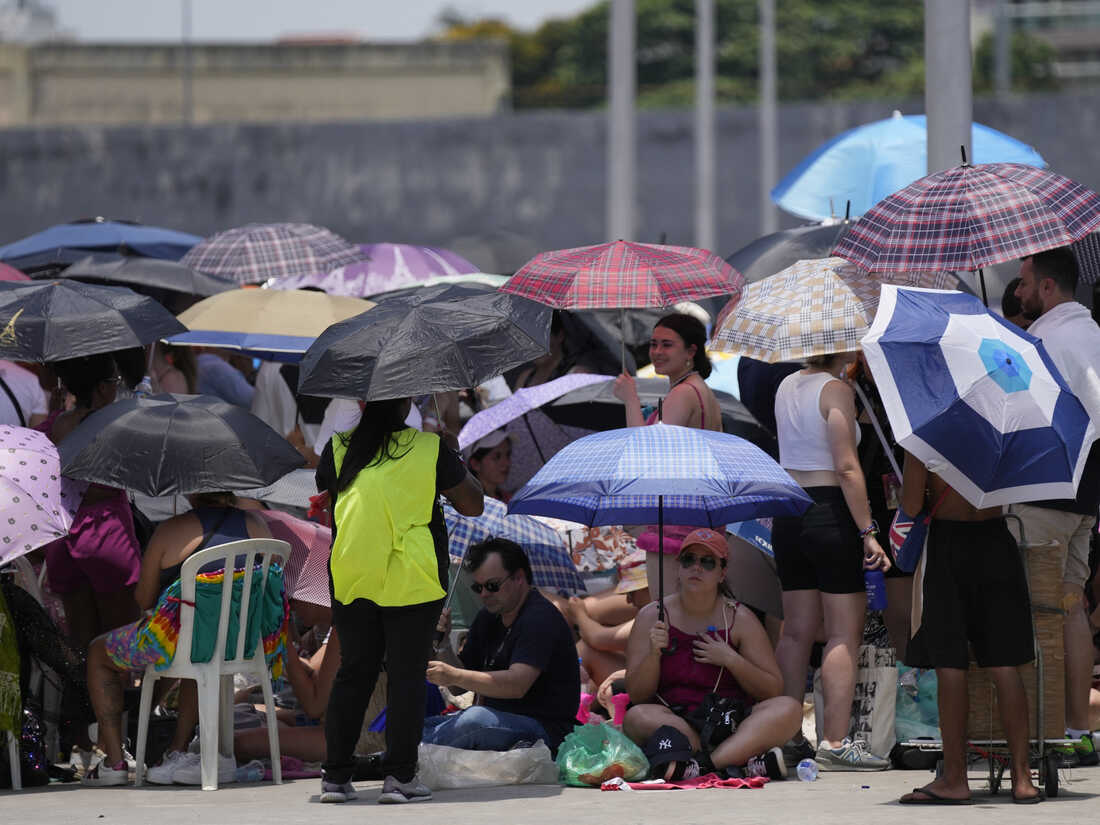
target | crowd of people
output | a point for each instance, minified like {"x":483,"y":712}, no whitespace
{"x":714,"y":683}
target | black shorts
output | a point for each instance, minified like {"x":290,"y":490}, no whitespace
{"x":975,"y":596}
{"x":821,"y":549}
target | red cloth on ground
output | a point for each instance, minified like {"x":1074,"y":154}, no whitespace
{"x":710,"y":780}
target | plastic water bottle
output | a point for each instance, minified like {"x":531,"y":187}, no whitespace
{"x":807,"y":770}
{"x":251,"y":771}
{"x":875,"y":583}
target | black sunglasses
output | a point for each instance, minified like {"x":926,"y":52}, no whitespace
{"x":688,"y":560}
{"x":491,"y":586}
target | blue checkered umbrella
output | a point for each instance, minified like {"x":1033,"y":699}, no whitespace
{"x":976,"y":399}
{"x":551,"y":564}
{"x":662,"y":473}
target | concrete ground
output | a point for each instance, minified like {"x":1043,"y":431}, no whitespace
{"x":834,"y":798}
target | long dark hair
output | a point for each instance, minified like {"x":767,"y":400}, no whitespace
{"x":83,"y":374}
{"x":372,"y":442}
{"x":691,"y":329}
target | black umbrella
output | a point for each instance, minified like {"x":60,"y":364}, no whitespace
{"x":167,"y":444}
{"x":56,"y":320}
{"x":775,"y":252}
{"x":595,"y":407}
{"x":150,"y":273}
{"x":425,"y":340}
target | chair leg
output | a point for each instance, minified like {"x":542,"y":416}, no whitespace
{"x":148,"y":682}
{"x":13,"y":758}
{"x":208,"y":685}
{"x":272,"y":729}
{"x":225,"y":715}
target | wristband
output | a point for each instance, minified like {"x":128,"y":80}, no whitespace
{"x":870,"y":530}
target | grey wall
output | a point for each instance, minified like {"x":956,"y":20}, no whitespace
{"x":497,"y":189}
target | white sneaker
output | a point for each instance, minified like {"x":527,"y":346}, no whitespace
{"x":103,"y":775}
{"x":163,"y":773}
{"x":852,"y":755}
{"x":396,"y":793}
{"x":191,"y":773}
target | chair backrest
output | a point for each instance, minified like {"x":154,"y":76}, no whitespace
{"x":261,"y":552}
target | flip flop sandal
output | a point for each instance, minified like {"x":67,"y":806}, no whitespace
{"x":932,"y":798}
{"x":1028,"y":800}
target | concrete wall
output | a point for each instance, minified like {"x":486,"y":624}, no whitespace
{"x":72,"y":83}
{"x":497,"y":189}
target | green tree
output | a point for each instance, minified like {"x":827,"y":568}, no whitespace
{"x":1032,"y":61}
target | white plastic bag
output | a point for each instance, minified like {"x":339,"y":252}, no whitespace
{"x":444,"y":767}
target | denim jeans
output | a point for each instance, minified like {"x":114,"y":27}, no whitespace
{"x":482,"y":729}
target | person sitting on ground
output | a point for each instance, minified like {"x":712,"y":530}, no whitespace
{"x":215,"y":520}
{"x":974,"y":595}
{"x":518,"y":658}
{"x":490,"y":460}
{"x":707,"y":647}
{"x":602,"y":647}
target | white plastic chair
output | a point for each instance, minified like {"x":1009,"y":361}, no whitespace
{"x":13,"y":758}
{"x":215,"y":678}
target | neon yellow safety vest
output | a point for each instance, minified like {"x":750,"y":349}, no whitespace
{"x":384,"y":550}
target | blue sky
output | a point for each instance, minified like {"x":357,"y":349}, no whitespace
{"x":268,"y":19}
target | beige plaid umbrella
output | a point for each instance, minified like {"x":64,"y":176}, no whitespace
{"x":815,"y":307}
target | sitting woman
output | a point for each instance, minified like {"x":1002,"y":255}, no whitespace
{"x":709,"y":649}
{"x":216,"y":519}
{"x":604,"y":627}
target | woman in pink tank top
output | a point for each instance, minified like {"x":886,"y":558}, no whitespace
{"x":677,"y":349}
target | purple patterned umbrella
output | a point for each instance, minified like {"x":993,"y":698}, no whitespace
{"x":258,"y":252}
{"x":522,"y":402}
{"x":384,"y":267}
{"x":37,"y":503}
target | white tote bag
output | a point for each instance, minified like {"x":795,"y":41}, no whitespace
{"x":874,"y":702}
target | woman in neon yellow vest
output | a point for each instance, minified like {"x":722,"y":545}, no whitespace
{"x":388,"y":573}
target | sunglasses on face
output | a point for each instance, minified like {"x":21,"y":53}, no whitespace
{"x":491,"y":586}
{"x":689,"y":560}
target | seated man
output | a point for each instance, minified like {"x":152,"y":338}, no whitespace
{"x":518,"y":658}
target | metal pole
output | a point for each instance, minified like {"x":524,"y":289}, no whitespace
{"x":705,"y":184}
{"x":769,"y":129}
{"x":187,"y":107}
{"x":622,"y":82}
{"x":1002,"y":50}
{"x":947,"y":81}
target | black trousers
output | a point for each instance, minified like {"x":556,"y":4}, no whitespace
{"x":401,"y":637}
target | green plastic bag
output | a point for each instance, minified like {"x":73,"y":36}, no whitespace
{"x":592,"y":754}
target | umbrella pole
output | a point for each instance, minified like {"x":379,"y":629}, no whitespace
{"x":660,"y":558}
{"x":534,"y":440}
{"x":981,"y":280}
{"x":622,"y":337}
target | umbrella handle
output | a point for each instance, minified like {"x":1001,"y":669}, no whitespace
{"x":661,"y":558}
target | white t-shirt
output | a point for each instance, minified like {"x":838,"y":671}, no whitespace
{"x":274,"y":403}
{"x":342,"y":414}
{"x":25,"y":387}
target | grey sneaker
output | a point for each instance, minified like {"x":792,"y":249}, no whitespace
{"x":331,"y":792}
{"x":852,"y":755}
{"x":396,"y":793}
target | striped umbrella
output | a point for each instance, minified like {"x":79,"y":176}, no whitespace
{"x":551,"y":564}
{"x":257,"y":252}
{"x":306,"y":571}
{"x":816,"y":307}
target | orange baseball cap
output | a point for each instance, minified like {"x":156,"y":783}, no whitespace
{"x":712,"y":540}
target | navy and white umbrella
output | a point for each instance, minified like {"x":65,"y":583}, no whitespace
{"x":976,"y":399}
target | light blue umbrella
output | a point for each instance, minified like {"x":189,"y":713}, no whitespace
{"x":864,"y":165}
{"x":661,"y":473}
{"x":551,"y":564}
{"x":975,"y":398}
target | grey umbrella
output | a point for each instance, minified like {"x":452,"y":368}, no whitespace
{"x":152,"y":273}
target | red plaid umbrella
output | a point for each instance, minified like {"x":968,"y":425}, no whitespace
{"x":624,"y":274}
{"x":969,"y":217}
{"x":310,"y":546}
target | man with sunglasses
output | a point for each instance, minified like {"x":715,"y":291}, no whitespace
{"x":519,"y":658}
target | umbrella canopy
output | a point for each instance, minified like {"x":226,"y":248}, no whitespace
{"x":976,"y":399}
{"x":265,"y":323}
{"x":816,"y":307}
{"x":165,"y":444}
{"x":147,"y":272}
{"x":257,"y":252}
{"x":520,"y":403}
{"x":55,"y":320}
{"x":773,"y":253}
{"x":551,"y":565}
{"x":39,"y":503}
{"x":1087,"y":252}
{"x":101,"y":235}
{"x":623,"y":274}
{"x":705,"y":478}
{"x":428,"y":340}
{"x":969,"y":217}
{"x":866,"y":164}
{"x":310,"y":543}
{"x":10,"y":273}
{"x":599,"y":548}
{"x":384,"y":267}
